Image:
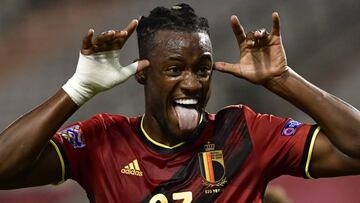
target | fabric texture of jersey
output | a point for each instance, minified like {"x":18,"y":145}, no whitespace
{"x":230,"y":158}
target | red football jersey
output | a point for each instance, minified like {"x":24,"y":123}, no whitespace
{"x":230,"y":158}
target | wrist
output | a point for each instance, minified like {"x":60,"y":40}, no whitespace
{"x":92,"y":76}
{"x":278,"y":80}
{"x":77,"y":92}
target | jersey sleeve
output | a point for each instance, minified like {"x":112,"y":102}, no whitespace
{"x":72,"y":145}
{"x":283,"y":145}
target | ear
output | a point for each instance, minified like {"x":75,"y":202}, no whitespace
{"x":141,"y":77}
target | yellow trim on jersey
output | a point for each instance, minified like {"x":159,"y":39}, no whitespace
{"x":158,"y":143}
{"x":61,"y":162}
{"x":311,"y":147}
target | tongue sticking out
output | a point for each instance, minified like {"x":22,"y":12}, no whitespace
{"x":188,"y":118}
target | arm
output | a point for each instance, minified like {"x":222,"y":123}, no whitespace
{"x":26,"y":156}
{"x":24,"y":144}
{"x":263,"y":61}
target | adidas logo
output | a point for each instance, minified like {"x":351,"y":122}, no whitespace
{"x":132,"y":169}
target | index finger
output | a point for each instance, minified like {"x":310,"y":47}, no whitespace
{"x":131,"y":28}
{"x":237,"y":29}
{"x":86,"y":47}
{"x":275,"y":24}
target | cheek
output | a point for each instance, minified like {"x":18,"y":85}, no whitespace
{"x":207,"y":89}
{"x":206,"y":83}
{"x":160,"y":89}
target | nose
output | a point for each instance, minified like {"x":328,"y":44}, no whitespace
{"x":191,"y":84}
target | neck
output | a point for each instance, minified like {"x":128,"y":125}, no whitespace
{"x":155,"y":134}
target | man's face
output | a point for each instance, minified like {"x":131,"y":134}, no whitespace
{"x":177,"y":84}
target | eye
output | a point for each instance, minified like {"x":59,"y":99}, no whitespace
{"x":204,"y":71}
{"x":173,"y":70}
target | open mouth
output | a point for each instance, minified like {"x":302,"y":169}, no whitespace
{"x":187,"y":113}
{"x":186,"y":103}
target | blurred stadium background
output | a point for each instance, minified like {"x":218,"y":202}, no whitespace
{"x":40,"y":41}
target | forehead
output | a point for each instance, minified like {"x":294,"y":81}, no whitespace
{"x":177,"y":40}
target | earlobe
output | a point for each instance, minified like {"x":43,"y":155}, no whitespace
{"x":140,"y":77}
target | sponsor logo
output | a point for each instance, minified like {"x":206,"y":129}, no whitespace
{"x":212,"y":168}
{"x":132,"y":169}
{"x":73,"y":136}
{"x":290,"y":128}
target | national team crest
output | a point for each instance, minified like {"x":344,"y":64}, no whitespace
{"x":212,"y":167}
{"x":73,"y":136}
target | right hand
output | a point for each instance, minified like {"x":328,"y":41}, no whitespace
{"x":107,"y":41}
{"x":99,"y":68}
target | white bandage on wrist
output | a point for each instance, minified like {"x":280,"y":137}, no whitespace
{"x":96,"y":73}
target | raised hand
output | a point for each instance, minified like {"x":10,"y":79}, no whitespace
{"x":262,"y":55}
{"x":99,"y":67}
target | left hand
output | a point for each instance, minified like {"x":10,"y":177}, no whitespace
{"x":262,"y":55}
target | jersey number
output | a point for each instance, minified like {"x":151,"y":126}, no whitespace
{"x":160,"y":198}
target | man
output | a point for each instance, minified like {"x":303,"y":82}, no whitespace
{"x":176,"y":150}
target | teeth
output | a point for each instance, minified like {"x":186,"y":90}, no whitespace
{"x":186,"y":101}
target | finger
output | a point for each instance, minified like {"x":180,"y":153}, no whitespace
{"x":237,"y":29}
{"x":261,"y":33}
{"x":250,"y":43}
{"x":250,"y":35}
{"x":105,"y":37}
{"x":120,"y":34}
{"x":260,"y":37}
{"x":142,"y":65}
{"x":119,"y":39}
{"x":226,"y":67}
{"x":135,"y":67}
{"x":131,"y":28}
{"x":87,"y":41}
{"x":250,"y":39}
{"x":275,"y":24}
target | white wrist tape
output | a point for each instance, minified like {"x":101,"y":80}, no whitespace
{"x":96,"y":73}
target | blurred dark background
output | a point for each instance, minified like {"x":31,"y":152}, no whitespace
{"x":40,"y":41}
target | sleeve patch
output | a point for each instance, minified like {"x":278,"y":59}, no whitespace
{"x":73,"y":135}
{"x":290,"y":128}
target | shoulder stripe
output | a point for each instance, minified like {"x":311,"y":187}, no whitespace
{"x":61,"y":162}
{"x":309,"y":155}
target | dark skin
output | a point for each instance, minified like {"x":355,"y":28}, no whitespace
{"x":182,"y":69}
{"x":263,"y":62}
{"x":28,"y":159}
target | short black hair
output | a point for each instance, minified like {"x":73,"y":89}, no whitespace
{"x":180,"y":17}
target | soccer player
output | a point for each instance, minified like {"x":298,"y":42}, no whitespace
{"x":176,"y":150}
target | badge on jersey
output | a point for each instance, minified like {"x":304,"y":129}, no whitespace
{"x":212,"y":168}
{"x":73,"y":136}
{"x":290,"y":128}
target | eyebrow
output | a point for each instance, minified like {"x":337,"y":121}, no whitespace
{"x":174,"y":57}
{"x":178,"y":57}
